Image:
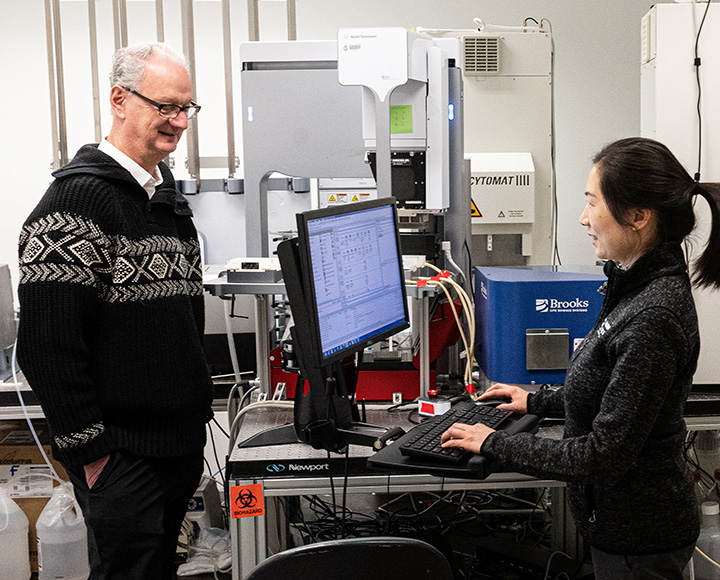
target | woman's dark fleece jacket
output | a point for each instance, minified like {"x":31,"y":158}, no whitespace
{"x":629,"y":487}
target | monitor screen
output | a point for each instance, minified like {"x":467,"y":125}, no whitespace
{"x":352,"y":258}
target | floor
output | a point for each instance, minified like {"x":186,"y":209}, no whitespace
{"x":220,"y":576}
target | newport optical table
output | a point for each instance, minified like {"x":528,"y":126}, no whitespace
{"x":298,"y":469}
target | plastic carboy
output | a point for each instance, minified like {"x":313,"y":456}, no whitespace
{"x":707,"y":448}
{"x":62,"y":538}
{"x":14,"y":546}
{"x":709,"y":543}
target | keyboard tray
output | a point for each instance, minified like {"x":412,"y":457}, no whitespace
{"x":426,"y":442}
{"x":473,"y":467}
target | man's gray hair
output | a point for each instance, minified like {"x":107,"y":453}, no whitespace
{"x":128,"y":63}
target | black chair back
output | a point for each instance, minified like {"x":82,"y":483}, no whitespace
{"x":379,"y":558}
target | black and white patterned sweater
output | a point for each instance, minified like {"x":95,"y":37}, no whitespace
{"x":112,"y":314}
{"x":629,"y":487}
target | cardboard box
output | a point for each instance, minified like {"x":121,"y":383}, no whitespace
{"x":23,"y":470}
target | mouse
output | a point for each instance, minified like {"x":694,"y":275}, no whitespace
{"x":495,"y":400}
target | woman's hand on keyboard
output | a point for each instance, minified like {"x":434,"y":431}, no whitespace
{"x":470,"y":437}
{"x":515,"y":397}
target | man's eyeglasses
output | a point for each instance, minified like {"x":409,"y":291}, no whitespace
{"x":169,"y":111}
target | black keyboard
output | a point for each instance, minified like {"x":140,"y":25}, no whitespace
{"x":425,"y":440}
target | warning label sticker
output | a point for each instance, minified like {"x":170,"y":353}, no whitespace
{"x":247,"y":501}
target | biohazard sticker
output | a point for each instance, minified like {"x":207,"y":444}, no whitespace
{"x":247,"y":501}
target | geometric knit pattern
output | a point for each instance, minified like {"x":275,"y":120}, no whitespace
{"x":62,"y":247}
{"x":68,"y":248}
{"x":75,"y":439}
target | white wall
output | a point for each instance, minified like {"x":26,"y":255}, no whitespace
{"x":597,"y":81}
{"x":669,"y":97}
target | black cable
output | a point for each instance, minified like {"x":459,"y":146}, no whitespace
{"x":334,"y":501}
{"x":345,"y":485}
{"x":398,"y":516}
{"x":221,"y":470}
{"x":697,"y":77}
{"x":553,"y":154}
{"x":457,"y":512}
{"x":301,"y":516}
{"x":217,"y":459}
{"x":323,"y":528}
{"x":471,"y":278}
{"x":411,"y":417}
{"x":400,"y":406}
{"x":220,"y":427}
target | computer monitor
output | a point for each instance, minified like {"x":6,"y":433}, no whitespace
{"x":345,"y":282}
{"x":356,"y":284}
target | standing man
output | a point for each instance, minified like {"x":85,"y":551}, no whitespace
{"x":112,"y":318}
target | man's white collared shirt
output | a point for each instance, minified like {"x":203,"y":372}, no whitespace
{"x":147,"y":181}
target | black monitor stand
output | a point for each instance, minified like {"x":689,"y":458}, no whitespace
{"x":324,"y":414}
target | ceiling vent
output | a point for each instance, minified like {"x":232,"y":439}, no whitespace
{"x":481,"y":55}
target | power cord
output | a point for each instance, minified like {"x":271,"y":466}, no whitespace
{"x":697,"y":63}
{"x":16,"y":384}
{"x":553,"y":156}
{"x":442,"y":280}
{"x":237,"y":421}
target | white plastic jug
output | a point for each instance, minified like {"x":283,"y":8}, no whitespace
{"x":708,"y":542}
{"x":14,"y":551}
{"x":62,"y":538}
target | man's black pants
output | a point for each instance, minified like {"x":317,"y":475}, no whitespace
{"x":134,"y":512}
